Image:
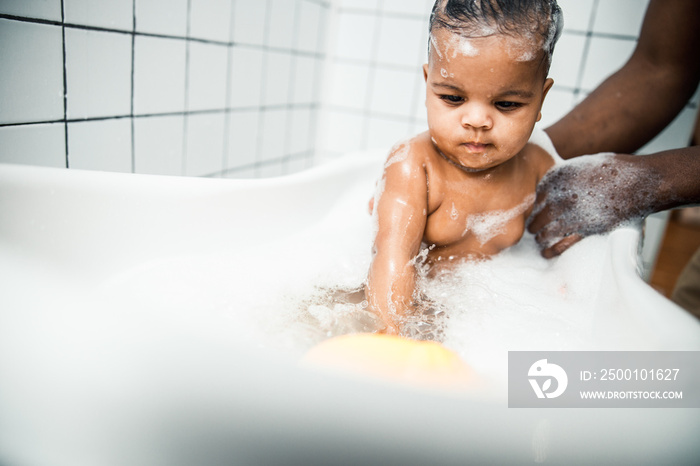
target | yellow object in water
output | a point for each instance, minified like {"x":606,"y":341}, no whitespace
{"x":418,"y":363}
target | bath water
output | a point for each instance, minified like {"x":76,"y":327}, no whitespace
{"x":287,"y":295}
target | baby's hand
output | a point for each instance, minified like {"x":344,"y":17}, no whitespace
{"x":390,"y":329}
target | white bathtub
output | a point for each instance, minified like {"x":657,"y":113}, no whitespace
{"x":99,"y":364}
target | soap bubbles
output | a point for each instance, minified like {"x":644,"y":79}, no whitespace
{"x":591,"y":195}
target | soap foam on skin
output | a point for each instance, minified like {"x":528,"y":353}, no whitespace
{"x":399,"y":152}
{"x":491,"y":224}
{"x":577,"y":183}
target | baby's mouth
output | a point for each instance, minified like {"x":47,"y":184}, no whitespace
{"x":475,"y":147}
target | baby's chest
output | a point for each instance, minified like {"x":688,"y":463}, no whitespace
{"x":487,"y":226}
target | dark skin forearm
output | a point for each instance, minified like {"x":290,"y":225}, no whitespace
{"x":679,"y":170}
{"x":633,"y":105}
{"x":596,"y":194}
{"x":625,"y":112}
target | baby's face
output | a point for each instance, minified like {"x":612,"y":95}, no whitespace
{"x":484,"y":96}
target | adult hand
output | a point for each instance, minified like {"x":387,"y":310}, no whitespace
{"x":590,"y":195}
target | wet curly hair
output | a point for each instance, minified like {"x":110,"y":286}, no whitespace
{"x":480,"y":18}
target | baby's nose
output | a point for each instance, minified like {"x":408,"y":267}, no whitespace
{"x":476,"y":116}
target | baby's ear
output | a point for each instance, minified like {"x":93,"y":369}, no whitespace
{"x":547,"y":86}
{"x":425,"y":72}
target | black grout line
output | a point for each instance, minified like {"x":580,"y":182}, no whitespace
{"x":586,"y":49}
{"x":371,"y":76}
{"x":229,"y":90}
{"x":291,"y":84}
{"x":319,"y":75}
{"x":160,"y":36}
{"x":263,"y":86}
{"x":262,"y":108}
{"x":185,"y":119}
{"x":65,"y":86}
{"x":131,"y":104}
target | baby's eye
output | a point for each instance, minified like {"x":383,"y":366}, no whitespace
{"x":506,"y":105}
{"x":452,"y":99}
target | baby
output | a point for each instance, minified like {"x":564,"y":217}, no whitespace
{"x":465,"y":187}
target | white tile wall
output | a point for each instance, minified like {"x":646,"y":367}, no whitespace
{"x":309,"y":26}
{"x":413,"y":7}
{"x":33,"y":145}
{"x":112,"y":14}
{"x":341,"y":132}
{"x":249,"y":21}
{"x":98,"y":72}
{"x":605,"y":56}
{"x":273,"y":132}
{"x":620,"y":17}
{"x":300,"y":131}
{"x":278,"y":72}
{"x":392,"y":91}
{"x":577,"y":14}
{"x":282,"y":23}
{"x":402,"y":41}
{"x":207,"y":76}
{"x":305,"y":85}
{"x":569,"y":51}
{"x":383,"y":132}
{"x":100,"y":145}
{"x":246,"y":77}
{"x":31,"y":72}
{"x":359,"y":4}
{"x":211,"y":20}
{"x":199,"y":81}
{"x":243,"y":133}
{"x":158,"y":145}
{"x":159,"y":75}
{"x":43,"y":9}
{"x":349,"y":85}
{"x":205,"y":143}
{"x":556,"y":105}
{"x":355,"y":36}
{"x":167,"y":17}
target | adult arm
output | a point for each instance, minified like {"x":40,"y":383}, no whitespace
{"x":625,"y":112}
{"x":596,"y":194}
{"x":637,"y":102}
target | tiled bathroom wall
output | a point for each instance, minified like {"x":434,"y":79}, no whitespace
{"x":375,"y":84}
{"x":246,"y":88}
{"x":177,"y":87}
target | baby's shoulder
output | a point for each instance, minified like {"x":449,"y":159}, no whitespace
{"x":415,"y":152}
{"x":537,"y":159}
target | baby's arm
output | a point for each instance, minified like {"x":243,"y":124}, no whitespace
{"x":401,"y":211}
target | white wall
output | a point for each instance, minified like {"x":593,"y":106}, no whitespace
{"x":375,"y":90}
{"x":247,"y":88}
{"x":177,"y":87}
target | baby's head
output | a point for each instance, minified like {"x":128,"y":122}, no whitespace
{"x":486,"y":76}
{"x":533,"y":25}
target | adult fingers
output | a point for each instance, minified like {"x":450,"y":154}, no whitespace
{"x":540,"y":217}
{"x":561,"y":246}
